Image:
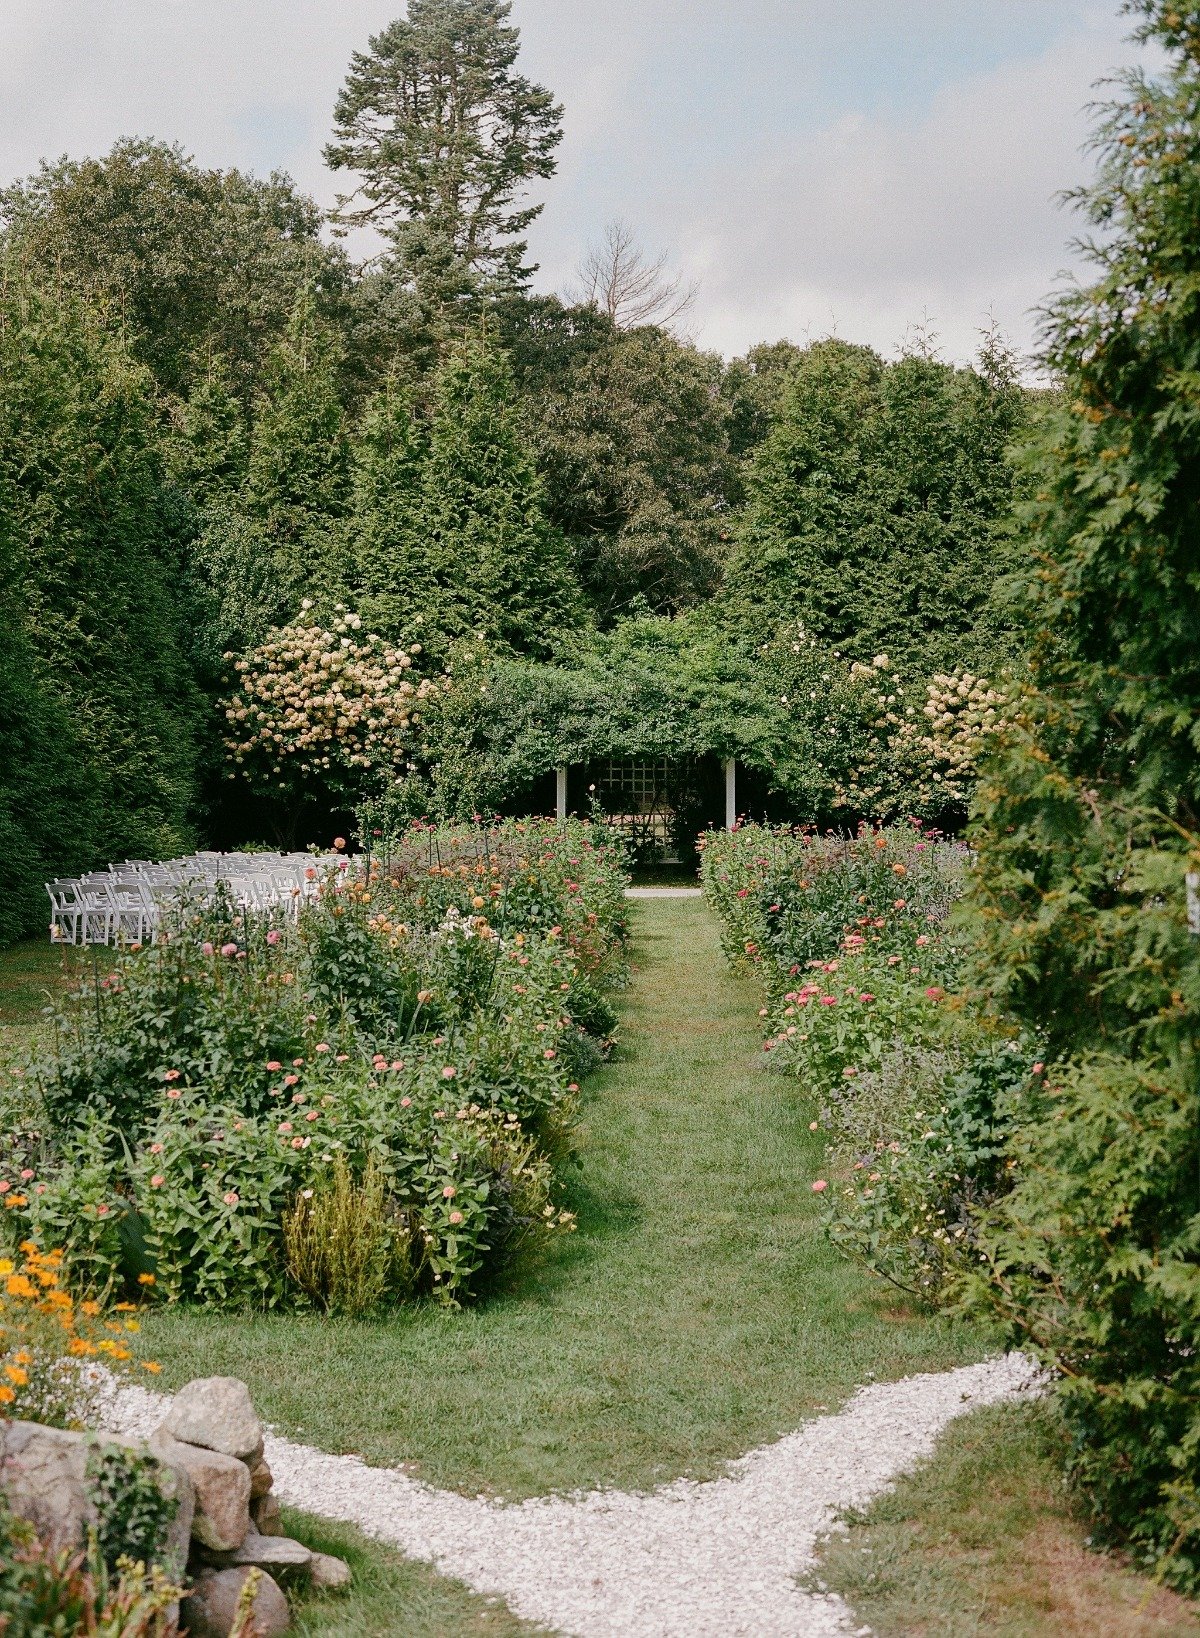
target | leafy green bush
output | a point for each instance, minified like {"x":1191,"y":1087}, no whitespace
{"x":133,"y":1513}
{"x":1087,"y":827}
{"x":221,"y":1104}
{"x":42,"y":1592}
{"x":859,"y":965}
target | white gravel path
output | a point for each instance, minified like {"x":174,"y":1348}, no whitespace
{"x":690,"y":1560}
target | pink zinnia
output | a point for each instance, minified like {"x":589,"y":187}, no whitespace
{"x":205,"y":949}
{"x":274,"y":936}
{"x":229,"y":949}
{"x":230,"y":1199}
{"x":157,"y":1181}
{"x":449,"y":1072}
{"x":819,"y":1186}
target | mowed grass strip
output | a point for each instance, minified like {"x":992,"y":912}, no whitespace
{"x":697,"y":1313}
{"x":982,"y":1539}
{"x":390,"y":1594}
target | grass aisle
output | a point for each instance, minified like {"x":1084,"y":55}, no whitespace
{"x":698,"y":1311}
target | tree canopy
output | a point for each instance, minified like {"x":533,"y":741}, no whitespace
{"x":878,"y":505}
{"x":446,"y":136}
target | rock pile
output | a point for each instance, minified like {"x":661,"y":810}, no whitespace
{"x":209,"y":1450}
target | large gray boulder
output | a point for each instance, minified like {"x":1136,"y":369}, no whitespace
{"x":44,"y":1479}
{"x":222,"y":1490}
{"x":43,"y":1475}
{"x":209,"y":1608}
{"x":283,"y":1558}
{"x":217,"y":1413}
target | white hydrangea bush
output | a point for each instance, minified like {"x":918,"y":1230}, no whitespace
{"x":328,"y":703}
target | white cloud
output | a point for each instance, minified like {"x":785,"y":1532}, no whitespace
{"x":870,"y":225}
{"x":811,"y":162}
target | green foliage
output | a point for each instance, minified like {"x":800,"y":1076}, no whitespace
{"x":496,"y":566}
{"x":192,"y":265}
{"x":446,"y":136}
{"x":47,"y":1594}
{"x":915,"y":1096}
{"x":231,"y":1109}
{"x":133,"y":1512}
{"x":1088,"y":820}
{"x":94,"y":655}
{"x":391,"y":562}
{"x":341,"y":1250}
{"x":631,"y":435}
{"x":877,"y":507}
{"x":298,"y":480}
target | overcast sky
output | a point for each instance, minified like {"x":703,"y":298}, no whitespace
{"x":818,"y":165}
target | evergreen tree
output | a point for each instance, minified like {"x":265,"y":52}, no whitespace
{"x":298,"y":482}
{"x":1088,"y":825}
{"x":391,"y":561}
{"x":446,"y":137}
{"x":494,"y":562}
{"x":99,"y":702}
{"x":207,"y":451}
{"x":879,"y":507}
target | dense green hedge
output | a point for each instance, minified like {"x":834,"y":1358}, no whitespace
{"x":1088,"y":822}
{"x":98,"y":708}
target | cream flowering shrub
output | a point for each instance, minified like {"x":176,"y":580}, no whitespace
{"x":961,"y":710}
{"x":324,"y":703}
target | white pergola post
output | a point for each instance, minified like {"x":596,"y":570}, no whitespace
{"x":561,"y":792}
{"x":730,"y":793}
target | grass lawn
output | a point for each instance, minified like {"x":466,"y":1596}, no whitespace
{"x":698,"y":1311}
{"x":29,"y":974}
{"x":390,"y":1594}
{"x":982,"y":1540}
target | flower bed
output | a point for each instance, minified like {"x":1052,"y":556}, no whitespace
{"x":852,"y":942}
{"x":359,"y":1102}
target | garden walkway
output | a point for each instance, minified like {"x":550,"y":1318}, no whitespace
{"x":698,"y":1313}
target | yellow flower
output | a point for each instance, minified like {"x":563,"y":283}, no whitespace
{"x":145,"y":1279}
{"x":6,"y":1394}
{"x":7,"y":1265}
{"x":90,"y":1308}
{"x":19,"y":1285}
{"x":16,"y":1376}
{"x":152,"y":1366}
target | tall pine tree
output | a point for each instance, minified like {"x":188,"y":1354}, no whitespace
{"x":494,"y":562}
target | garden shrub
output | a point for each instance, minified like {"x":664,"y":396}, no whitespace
{"x":860,"y":965}
{"x":340,"y":1247}
{"x":133,"y":1513}
{"x":1087,"y":826}
{"x":43,"y":1592}
{"x":228,"y":1110}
